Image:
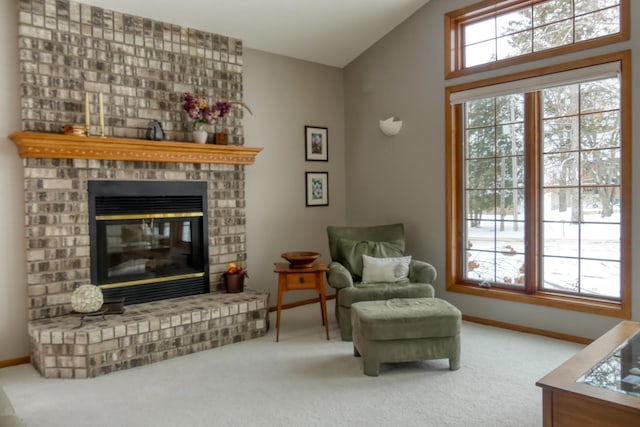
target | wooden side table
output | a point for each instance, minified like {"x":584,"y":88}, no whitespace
{"x":291,"y":279}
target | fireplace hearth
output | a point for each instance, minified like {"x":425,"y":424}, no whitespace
{"x":148,"y":239}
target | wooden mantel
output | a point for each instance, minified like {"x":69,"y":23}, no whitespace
{"x":59,"y":146}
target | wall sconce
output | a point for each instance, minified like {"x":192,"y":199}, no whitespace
{"x":390,"y":126}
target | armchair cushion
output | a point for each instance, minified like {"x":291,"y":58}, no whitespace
{"x":421,"y":272}
{"x":351,"y":252}
{"x":385,"y":270}
{"x":383,"y":291}
{"x":338,"y":276}
{"x":378,"y":233}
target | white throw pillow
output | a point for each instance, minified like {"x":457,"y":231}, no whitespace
{"x":385,"y":270}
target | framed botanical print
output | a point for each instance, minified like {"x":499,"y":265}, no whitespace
{"x":317,"y":188}
{"x":316,"y":143}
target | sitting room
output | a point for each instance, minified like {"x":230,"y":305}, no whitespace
{"x":477,"y":154}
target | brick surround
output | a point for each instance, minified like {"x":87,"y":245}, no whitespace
{"x":57,"y":222}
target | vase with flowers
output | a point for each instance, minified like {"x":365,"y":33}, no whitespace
{"x":201,"y":113}
{"x":234,"y":278}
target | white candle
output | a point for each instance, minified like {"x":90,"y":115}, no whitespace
{"x":86,"y":111}
{"x":101,"y":116}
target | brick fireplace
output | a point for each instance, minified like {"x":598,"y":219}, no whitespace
{"x":70,"y":51}
{"x":57,"y":172}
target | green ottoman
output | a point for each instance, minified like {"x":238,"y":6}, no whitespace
{"x":405,"y":330}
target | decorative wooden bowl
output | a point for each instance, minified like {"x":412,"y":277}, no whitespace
{"x":300,"y":259}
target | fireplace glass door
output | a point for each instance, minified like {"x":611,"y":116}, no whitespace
{"x":148,"y":248}
{"x":148,"y":239}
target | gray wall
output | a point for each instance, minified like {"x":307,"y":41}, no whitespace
{"x":403,"y":178}
{"x":285,"y":95}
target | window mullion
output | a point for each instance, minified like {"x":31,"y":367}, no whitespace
{"x":456,"y":189}
{"x":533,"y":185}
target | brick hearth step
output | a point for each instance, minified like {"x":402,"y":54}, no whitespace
{"x":145,"y":333}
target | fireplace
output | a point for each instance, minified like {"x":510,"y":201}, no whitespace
{"x":148,"y":239}
{"x":60,"y":171}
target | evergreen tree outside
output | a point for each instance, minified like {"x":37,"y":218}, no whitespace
{"x":581,"y":156}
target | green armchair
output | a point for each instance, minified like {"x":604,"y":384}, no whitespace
{"x":347,"y":245}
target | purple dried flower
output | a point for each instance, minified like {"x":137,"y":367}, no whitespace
{"x":201,"y":113}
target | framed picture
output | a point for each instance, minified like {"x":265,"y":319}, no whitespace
{"x":317,"y":188}
{"x":316,"y":144}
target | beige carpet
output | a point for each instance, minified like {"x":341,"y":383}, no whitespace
{"x":304,"y":380}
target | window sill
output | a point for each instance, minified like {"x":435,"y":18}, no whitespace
{"x":585,"y":305}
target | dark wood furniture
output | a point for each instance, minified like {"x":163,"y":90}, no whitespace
{"x":568,"y":402}
{"x":310,"y":278}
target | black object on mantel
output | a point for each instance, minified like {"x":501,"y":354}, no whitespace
{"x":155,"y":131}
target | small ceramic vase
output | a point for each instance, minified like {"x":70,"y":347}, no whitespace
{"x":199,"y":136}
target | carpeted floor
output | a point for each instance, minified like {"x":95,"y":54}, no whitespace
{"x":304,"y":380}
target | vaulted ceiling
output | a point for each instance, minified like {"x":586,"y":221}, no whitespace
{"x":330,"y":32}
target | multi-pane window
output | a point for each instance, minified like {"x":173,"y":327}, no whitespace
{"x":538,"y":177}
{"x":486,"y":35}
{"x":582,"y":177}
{"x":493,"y":189}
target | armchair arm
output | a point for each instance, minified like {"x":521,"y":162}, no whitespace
{"x":338,"y":276}
{"x":421,"y":272}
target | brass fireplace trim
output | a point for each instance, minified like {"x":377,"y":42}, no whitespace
{"x":59,"y":146}
{"x":149,"y":216}
{"x":154,"y":280}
